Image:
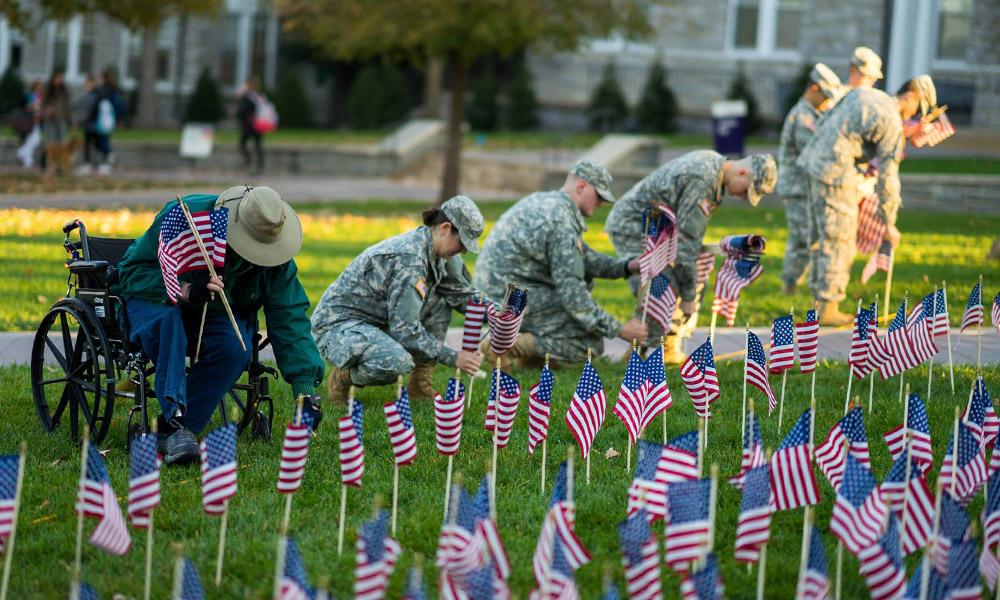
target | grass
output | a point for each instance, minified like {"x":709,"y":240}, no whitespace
{"x":44,"y":550}
{"x":951,"y":165}
{"x":936,"y":247}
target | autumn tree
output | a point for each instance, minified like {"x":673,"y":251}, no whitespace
{"x":457,"y":32}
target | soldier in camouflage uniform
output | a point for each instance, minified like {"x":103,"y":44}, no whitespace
{"x":388,"y":312}
{"x":692,"y":186}
{"x":537,"y":245}
{"x":823,"y":92}
{"x":866,"y":125}
{"x":865,"y":68}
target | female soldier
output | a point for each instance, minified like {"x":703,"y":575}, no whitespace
{"x":388,"y":312}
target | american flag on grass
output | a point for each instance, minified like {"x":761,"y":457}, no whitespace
{"x":8,"y":495}
{"x":807,"y":333}
{"x":700,"y":378}
{"x":897,"y":353}
{"x":953,"y":528}
{"x":980,"y":415}
{"x":631,"y":397}
{"x":686,"y":533}
{"x":294,"y":451}
{"x":933,"y":133}
{"x":782,"y":344}
{"x":218,"y":469}
{"x":753,"y":529}
{"x":190,"y":585}
{"x":882,"y":565}
{"x":935,"y":585}
{"x":704,"y":583}
{"x":501,"y":408}
{"x":648,"y":490}
{"x":871,"y":225}
{"x":505,"y":325}
{"x":539,"y":407}
{"x":294,"y":581}
{"x":679,"y":461}
{"x":375,"y":558}
{"x":735,"y":274}
{"x":847,"y":436}
{"x":963,"y":572}
{"x":919,"y":503}
{"x":971,"y":471}
{"x":660,"y":245}
{"x":662,"y":301}
{"x":920,"y":329}
{"x":793,"y":483}
{"x":656,"y":394}
{"x":860,"y":511}
{"x":755,"y":370}
{"x":472,"y":328}
{"x":941,"y":325}
{"x":973,"y":314}
{"x":815,"y":583}
{"x":399,"y":420}
{"x":448,"y":411}
{"x":459,"y":550}
{"x":880,"y":261}
{"x":753,"y":450}
{"x":96,"y":498}
{"x":995,"y":313}
{"x":640,"y":558}
{"x":704,"y":266}
{"x":861,"y":339}
{"x":918,"y":425}
{"x":178,"y":251}
{"x":352,"y":450}
{"x":486,"y":530}
{"x":586,"y":411}
{"x":989,"y":564}
{"x":559,"y":551}
{"x":143,"y":480}
{"x":415,"y":589}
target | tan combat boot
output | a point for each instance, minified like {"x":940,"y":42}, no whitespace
{"x":788,"y":289}
{"x":830,"y":315}
{"x":338,"y":385}
{"x":672,"y":352}
{"x":490,"y":357}
{"x":523,"y":354}
{"x":420,"y":386}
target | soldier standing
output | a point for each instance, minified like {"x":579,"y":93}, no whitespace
{"x":823,"y":92}
{"x":865,"y":68}
{"x":692,"y":187}
{"x":536,"y":244}
{"x":388,"y":312}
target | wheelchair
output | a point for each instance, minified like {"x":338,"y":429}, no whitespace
{"x":81,"y":354}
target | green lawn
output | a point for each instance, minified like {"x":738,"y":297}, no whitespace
{"x":936,"y":247}
{"x":44,"y":550}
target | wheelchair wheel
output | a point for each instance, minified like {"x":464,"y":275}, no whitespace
{"x":72,"y":373}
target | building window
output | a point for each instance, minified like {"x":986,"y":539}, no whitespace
{"x":166,"y":39}
{"x":60,"y":46}
{"x":789,"y":24}
{"x":745,"y":29}
{"x":133,"y":60}
{"x":765,"y":26}
{"x":954,"y":27}
{"x":228,"y":49}
{"x":85,"y":55}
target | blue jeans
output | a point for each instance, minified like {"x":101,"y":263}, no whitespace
{"x":167,"y":336}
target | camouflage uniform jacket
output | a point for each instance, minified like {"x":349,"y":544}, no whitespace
{"x":691,"y":185}
{"x":537,"y":244}
{"x":798,"y":129}
{"x":387,"y":286}
{"x":864,"y":126}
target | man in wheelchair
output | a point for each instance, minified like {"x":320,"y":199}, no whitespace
{"x":263,"y":234}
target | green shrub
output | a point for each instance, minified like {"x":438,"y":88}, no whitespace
{"x":607,"y":110}
{"x":798,"y":87}
{"x":205,"y":103}
{"x":521,"y":110}
{"x":379,"y":96}
{"x":657,"y":109}
{"x":291,"y":102}
{"x":483,"y":111}
{"x":11,"y":91}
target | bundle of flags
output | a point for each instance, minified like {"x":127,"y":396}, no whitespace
{"x":501,"y":408}
{"x":700,"y":379}
{"x":643,"y":393}
{"x":178,"y":252}
{"x":352,"y":450}
{"x":448,"y":411}
{"x":740,"y":268}
{"x":871,"y":225}
{"x":375,"y":558}
{"x":539,"y":406}
{"x":505,"y":322}
{"x":933,"y":133}
{"x":586,"y":411}
{"x":980,"y":416}
{"x":399,"y":420}
{"x":96,"y":498}
{"x":660,"y":247}
{"x":898,"y":352}
{"x":559,"y":552}
{"x":218,"y":469}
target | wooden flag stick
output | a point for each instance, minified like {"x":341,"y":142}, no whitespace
{"x":451,"y":461}
{"x":804,"y":556}
{"x":9,"y":545}
{"x":279,"y":563}
{"x":951,"y":363}
{"x":711,"y":328}
{"x":147,"y":585}
{"x":888,"y":286}
{"x":925,"y":574}
{"x":663,"y":414}
{"x":628,"y":436}
{"x":468,"y":396}
{"x":902,"y":374}
{"x":343,"y":486}
{"x":222,"y":543}
{"x":906,"y":488}
{"x":589,"y":358}
{"x":930,"y":363}
{"x":201,"y":330}
{"x":395,"y":466}
{"x":211,"y":270}
{"x":713,"y":493}
{"x":701,"y":455}
{"x":850,"y":374}
{"x":812,"y":426}
{"x":545,"y":440}
{"x":979,"y":330}
{"x":954,"y":453}
{"x":761,"y":570}
{"x":496,"y":421}
{"x":570,"y":455}
{"x":79,"y":511}
{"x":784,"y":374}
{"x":178,"y":587}
{"x":840,"y":569}
{"x":743,"y":421}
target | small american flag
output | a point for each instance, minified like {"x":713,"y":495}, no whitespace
{"x":502,"y":407}
{"x":401,"y":434}
{"x":662,"y":301}
{"x":459,"y":550}
{"x":753,"y":529}
{"x":660,"y":247}
{"x":505,"y":325}
{"x":880,"y":261}
{"x":882,"y":565}
{"x":933,"y":133}
{"x":487,"y":532}
{"x":559,"y":583}
{"x":991,"y":513}
{"x":815,"y":584}
{"x":648,"y":490}
{"x":352,"y":450}
{"x":953,"y":528}
{"x":294,"y":581}
{"x":8,"y":495}
{"x":656,"y":396}
{"x":919,"y":426}
{"x":871,"y":225}
{"x":782,"y":344}
{"x":415,"y":589}
{"x":700,"y":378}
{"x":861,"y":339}
{"x":808,"y":342}
{"x":631,"y":399}
{"x":793,"y":483}
{"x":610,"y":590}
{"x":686,"y":534}
{"x":980,"y":416}
{"x":640,"y":558}
{"x":920,"y":505}
{"x":963,"y":572}
{"x":96,"y":498}
{"x":847,"y":436}
{"x":860,"y":510}
{"x":218,"y":469}
{"x":586,"y":411}
{"x":558,"y":551}
{"x":989,"y":567}
{"x":753,"y":450}
{"x":897,"y":353}
{"x":971,"y":471}
{"x":973,"y":314}
{"x":755,"y":370}
{"x":84,"y":592}
{"x":178,"y":252}
{"x":935,"y":585}
{"x":704,"y":584}
{"x":190,"y":584}
{"x":704,"y":267}
{"x":375,"y":558}
{"x":448,"y":411}
{"x":472,"y":329}
{"x":735,"y":274}
{"x":539,"y":405}
{"x":143,"y":480}
{"x":994,"y":313}
{"x":920,"y":329}
{"x":293,"y":458}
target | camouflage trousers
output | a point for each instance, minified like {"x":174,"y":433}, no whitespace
{"x":835,"y":216}
{"x":556,"y":332}
{"x":372,"y":356}
{"x":801,"y":236}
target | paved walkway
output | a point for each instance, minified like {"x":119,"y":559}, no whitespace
{"x":15,"y":348}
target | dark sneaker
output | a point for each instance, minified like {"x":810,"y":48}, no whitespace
{"x":181,"y":448}
{"x":164,"y":429}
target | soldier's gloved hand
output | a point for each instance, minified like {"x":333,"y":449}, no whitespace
{"x":688,"y":307}
{"x":635,"y":330}
{"x":312,"y":411}
{"x":202,"y":291}
{"x":469,"y":361}
{"x":633,"y":266}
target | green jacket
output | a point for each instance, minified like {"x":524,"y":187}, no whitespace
{"x":248,"y":288}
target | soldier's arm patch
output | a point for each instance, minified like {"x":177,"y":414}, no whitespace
{"x":421,"y":287}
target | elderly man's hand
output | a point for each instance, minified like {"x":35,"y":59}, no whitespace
{"x":893,"y":235}
{"x":688,"y":307}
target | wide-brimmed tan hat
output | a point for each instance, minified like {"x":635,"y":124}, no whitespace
{"x":263,"y":228}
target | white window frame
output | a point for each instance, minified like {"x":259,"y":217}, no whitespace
{"x":767,"y":36}
{"x":953,"y":64}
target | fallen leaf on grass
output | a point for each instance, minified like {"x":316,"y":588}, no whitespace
{"x":611,"y":453}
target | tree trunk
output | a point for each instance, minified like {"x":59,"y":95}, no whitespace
{"x":432,"y":89}
{"x":451,"y":175}
{"x":146,"y":116}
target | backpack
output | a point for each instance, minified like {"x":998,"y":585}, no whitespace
{"x":105,"y":122}
{"x":265,"y":117}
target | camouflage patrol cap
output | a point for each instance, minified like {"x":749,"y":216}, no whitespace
{"x":869,"y":63}
{"x":827,"y":81}
{"x":466,"y":218}
{"x":595,"y":175}
{"x":763,"y":176}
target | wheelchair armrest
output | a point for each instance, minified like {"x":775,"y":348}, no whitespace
{"x":70,"y":226}
{"x":79,"y":267}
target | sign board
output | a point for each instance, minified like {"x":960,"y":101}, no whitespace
{"x":197,"y":140}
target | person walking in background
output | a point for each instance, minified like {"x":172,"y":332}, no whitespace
{"x":56,"y":123}
{"x":87,"y":107}
{"x":256,"y":116}
{"x":33,"y":114}
{"x":108,"y":109}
